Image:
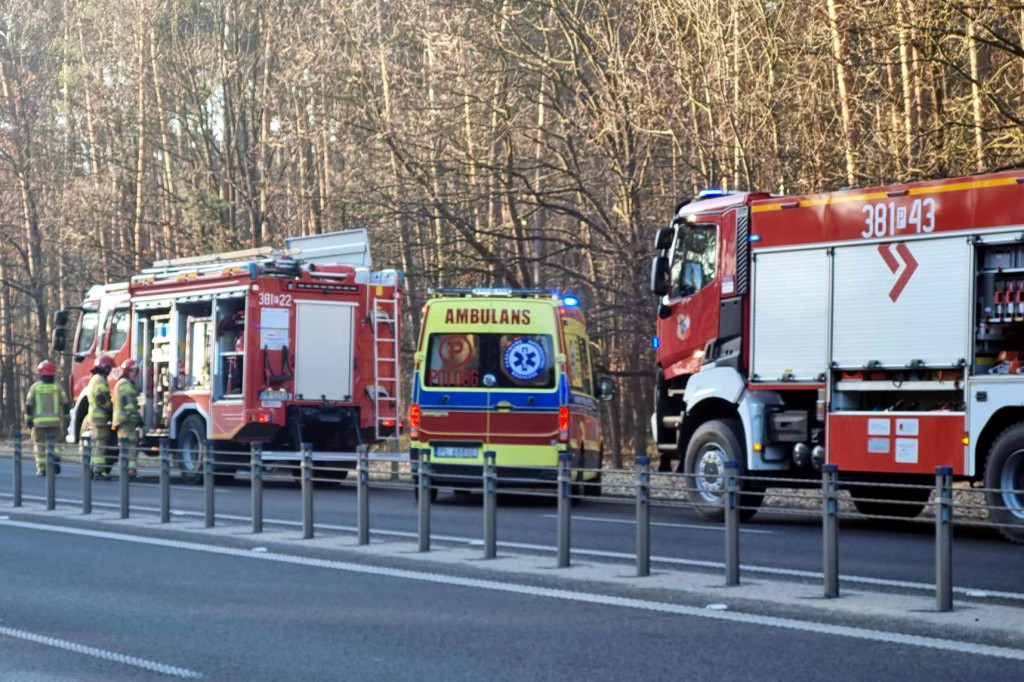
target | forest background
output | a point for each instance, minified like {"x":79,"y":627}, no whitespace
{"x":480,"y":142}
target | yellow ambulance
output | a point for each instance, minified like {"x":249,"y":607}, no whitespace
{"x":508,"y":371}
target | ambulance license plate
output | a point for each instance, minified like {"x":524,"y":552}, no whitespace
{"x":455,"y":452}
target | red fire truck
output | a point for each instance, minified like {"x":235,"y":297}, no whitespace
{"x":880,"y":329}
{"x":279,"y":347}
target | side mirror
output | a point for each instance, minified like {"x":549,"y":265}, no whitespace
{"x":605,"y":389}
{"x":663,"y":240}
{"x":79,"y":357}
{"x":60,"y":318}
{"x":59,"y":340}
{"x":659,"y":275}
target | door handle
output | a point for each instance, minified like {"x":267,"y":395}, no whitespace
{"x":504,"y":406}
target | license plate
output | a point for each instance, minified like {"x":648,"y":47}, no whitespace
{"x":455,"y":452}
{"x":275,"y":395}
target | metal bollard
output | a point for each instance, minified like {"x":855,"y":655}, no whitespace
{"x":306,"y":468}
{"x":51,"y":467}
{"x":423,"y":482}
{"x":165,"y":480}
{"x":208,"y":510}
{"x":16,"y":463}
{"x":643,"y":516}
{"x":363,"y":495}
{"x":944,"y":538}
{"x":85,"y":454}
{"x":256,"y":464}
{"x":730,"y":500}
{"x":564,"y":506}
{"x":830,"y":528}
{"x":490,"y":484}
{"x":122,"y":469}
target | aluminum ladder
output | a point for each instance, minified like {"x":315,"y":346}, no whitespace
{"x":386,"y":368}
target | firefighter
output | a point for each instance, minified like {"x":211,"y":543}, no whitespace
{"x":45,"y":405}
{"x":127,"y":418}
{"x":98,"y":392}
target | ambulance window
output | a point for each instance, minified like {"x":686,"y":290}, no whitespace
{"x":87,"y":331}
{"x":585,"y":367}
{"x":490,"y":361}
{"x":118,"y":330}
{"x":693,"y":265}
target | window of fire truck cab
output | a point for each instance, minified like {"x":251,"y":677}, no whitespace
{"x":693,"y":257}
{"x":87,"y":331}
{"x":118,"y":330}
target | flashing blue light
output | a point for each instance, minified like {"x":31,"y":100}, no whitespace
{"x":755,"y":237}
{"x":710,"y":192}
{"x":570,"y":301}
{"x":655,"y":342}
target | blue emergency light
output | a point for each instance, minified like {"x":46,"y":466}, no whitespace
{"x":709,"y":192}
{"x":655,"y":342}
{"x":570,"y":301}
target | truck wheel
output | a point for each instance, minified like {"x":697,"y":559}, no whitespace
{"x":191,"y":449}
{"x":713,"y":444}
{"x":869,"y":501}
{"x":1004,"y":478}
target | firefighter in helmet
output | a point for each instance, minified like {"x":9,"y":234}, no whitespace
{"x":45,"y":407}
{"x":98,"y":392}
{"x":127,"y":418}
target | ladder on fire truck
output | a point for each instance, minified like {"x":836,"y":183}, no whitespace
{"x":387,"y":387}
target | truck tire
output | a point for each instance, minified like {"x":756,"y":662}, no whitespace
{"x":713,"y":444}
{"x":190,"y":449}
{"x":1004,"y":479}
{"x":872,"y":501}
{"x":190,"y":454}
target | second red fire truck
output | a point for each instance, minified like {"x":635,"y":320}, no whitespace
{"x":275,"y":346}
{"x":878,"y":329}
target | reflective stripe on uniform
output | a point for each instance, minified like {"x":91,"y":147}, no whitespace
{"x":46,"y":411}
{"x":98,"y":387}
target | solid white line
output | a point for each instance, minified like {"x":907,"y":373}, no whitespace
{"x":597,"y":553}
{"x":113,"y":656}
{"x":808,"y":626}
{"x":662,"y":524}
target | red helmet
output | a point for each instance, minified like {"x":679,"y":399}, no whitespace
{"x":45,"y":369}
{"x":104,"y":363}
{"x":128,"y":365}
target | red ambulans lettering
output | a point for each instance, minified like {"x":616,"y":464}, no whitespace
{"x":486,"y":316}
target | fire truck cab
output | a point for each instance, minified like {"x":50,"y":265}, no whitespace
{"x":278,"y":347}
{"x":879,"y":329}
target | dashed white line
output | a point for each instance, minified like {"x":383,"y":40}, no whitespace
{"x":74,"y":647}
{"x":815,"y":627}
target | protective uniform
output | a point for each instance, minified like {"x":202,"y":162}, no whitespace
{"x":98,"y":392}
{"x":45,"y":407}
{"x":127,"y":418}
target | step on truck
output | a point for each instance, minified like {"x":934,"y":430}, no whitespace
{"x":273,"y":346}
{"x":881,"y":330}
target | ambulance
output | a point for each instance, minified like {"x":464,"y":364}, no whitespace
{"x":508,"y":371}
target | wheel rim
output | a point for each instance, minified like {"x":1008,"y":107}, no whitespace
{"x":191,"y":452}
{"x":1011,"y":480}
{"x":708,"y":472}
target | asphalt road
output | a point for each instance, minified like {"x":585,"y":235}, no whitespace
{"x":869,"y":550}
{"x":232,"y":616}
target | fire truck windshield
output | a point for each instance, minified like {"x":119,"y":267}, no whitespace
{"x":693,"y":259}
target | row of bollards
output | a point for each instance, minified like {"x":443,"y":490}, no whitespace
{"x":732,"y":498}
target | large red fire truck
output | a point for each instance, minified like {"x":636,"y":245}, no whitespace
{"x":276,"y":346}
{"x":880,"y":329}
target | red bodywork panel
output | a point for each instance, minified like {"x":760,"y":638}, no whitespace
{"x":906,"y":442}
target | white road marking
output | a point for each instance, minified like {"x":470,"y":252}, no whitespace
{"x":113,"y":656}
{"x":596,"y":553}
{"x":809,"y":626}
{"x":662,"y":524}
